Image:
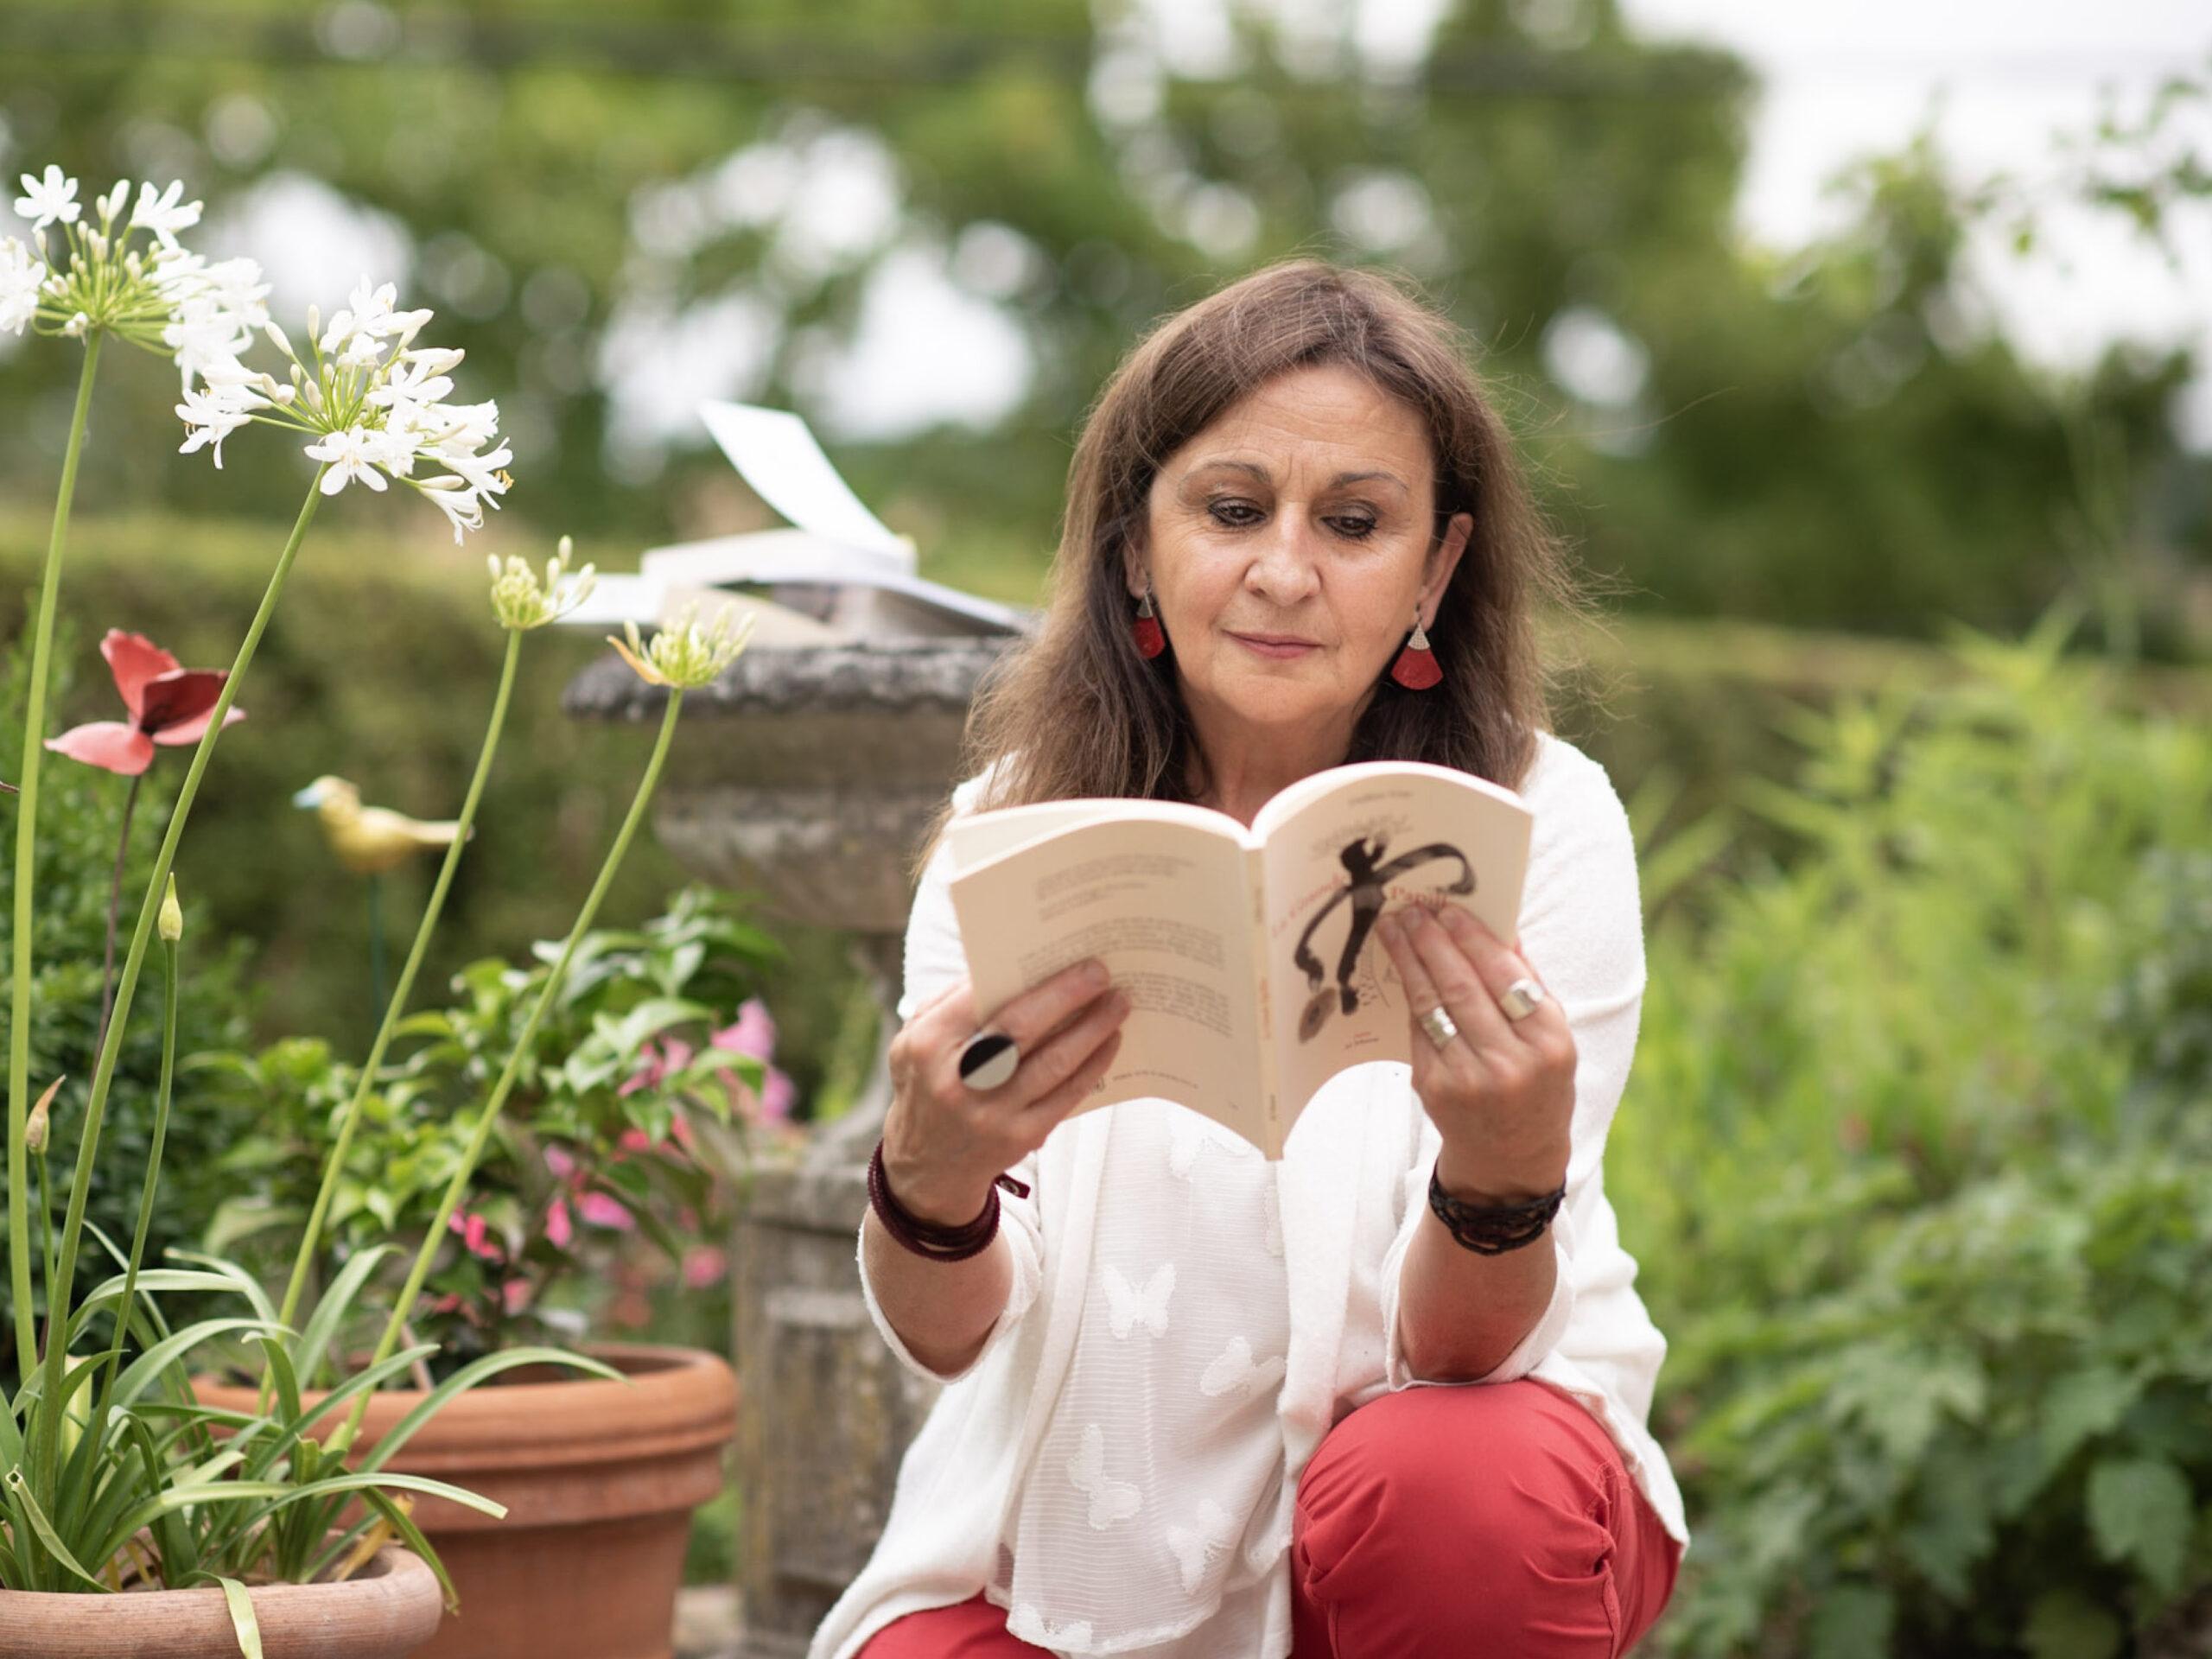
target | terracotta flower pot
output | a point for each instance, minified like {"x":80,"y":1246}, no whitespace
{"x":389,"y":1608}
{"x":600,"y":1479}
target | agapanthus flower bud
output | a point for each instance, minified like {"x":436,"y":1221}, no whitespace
{"x":520,"y":602}
{"x":684,"y":654}
{"x":38,"y":1126}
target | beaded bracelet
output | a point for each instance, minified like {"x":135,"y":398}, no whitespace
{"x":1493,"y":1228}
{"x":929,"y":1239}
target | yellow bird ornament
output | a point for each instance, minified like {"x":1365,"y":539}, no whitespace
{"x":369,"y":840}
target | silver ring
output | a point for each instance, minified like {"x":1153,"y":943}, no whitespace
{"x":1521,"y":999}
{"x":1438,"y":1024}
{"x":988,"y":1061}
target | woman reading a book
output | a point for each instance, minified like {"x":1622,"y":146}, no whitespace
{"x":1384,"y":1399}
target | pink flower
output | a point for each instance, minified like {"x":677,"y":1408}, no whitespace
{"x":559,"y":1231}
{"x":661,"y":1060}
{"x":476,"y":1234}
{"x":557,"y":1160}
{"x":704,"y":1265}
{"x":169,"y":704}
{"x":754,"y":1033}
{"x":778,"y":1094}
{"x":514,"y":1296}
{"x":600,"y":1210}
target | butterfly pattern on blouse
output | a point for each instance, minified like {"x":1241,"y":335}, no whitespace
{"x":1126,"y":1306}
{"x":1195,"y":1547}
{"x":1187,"y":1139}
{"x":1234,"y":1371}
{"x":1028,"y":1624}
{"x":1111,"y":1500}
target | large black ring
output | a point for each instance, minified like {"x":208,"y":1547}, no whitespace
{"x":989,"y":1061}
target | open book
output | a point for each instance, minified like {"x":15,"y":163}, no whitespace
{"x":1247,"y":956}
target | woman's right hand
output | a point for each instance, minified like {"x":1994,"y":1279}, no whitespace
{"x":944,"y":1142}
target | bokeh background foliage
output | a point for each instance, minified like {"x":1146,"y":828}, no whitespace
{"x":1910,"y":1149}
{"x":619,"y":212}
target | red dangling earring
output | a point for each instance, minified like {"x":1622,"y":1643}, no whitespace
{"x":1151,"y":638}
{"x":1416,"y":668}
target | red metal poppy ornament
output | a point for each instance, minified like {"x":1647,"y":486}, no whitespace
{"x":169,"y":704}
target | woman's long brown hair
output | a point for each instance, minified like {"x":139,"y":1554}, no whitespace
{"x":1075,"y":711}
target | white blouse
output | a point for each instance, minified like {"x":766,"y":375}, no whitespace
{"x":1119,"y":1465}
{"x":1161,"y":1491}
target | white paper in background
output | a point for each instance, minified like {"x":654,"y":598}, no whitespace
{"x":775,"y":452}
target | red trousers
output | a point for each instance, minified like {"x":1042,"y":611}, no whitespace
{"x":1435,"y":1524}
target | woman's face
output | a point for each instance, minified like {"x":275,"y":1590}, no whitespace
{"x":1290,"y":544}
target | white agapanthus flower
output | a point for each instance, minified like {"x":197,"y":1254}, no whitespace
{"x":212,"y":415}
{"x":368,"y":320}
{"x":21,"y":277}
{"x":161,"y":213}
{"x":129,"y":278}
{"x":373,"y":401}
{"x":351,"y":454}
{"x":45,"y":200}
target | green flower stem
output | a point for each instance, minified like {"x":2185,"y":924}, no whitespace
{"x":19,"y":1008}
{"x":457,"y":1188}
{"x":311,"y":1239}
{"x":115,"y":908}
{"x":45,"y":1218}
{"x":170,"y":949}
{"x":58,"y":1298}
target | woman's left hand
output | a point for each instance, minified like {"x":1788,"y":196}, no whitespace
{"x":1501,"y":1092}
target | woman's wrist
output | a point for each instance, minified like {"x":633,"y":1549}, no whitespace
{"x":934,"y":1240}
{"x":929,"y":1192}
{"x":1489,"y":1177}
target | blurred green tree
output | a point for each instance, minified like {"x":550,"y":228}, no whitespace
{"x":618,"y":212}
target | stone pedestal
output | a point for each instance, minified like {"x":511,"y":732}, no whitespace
{"x":809,"y":776}
{"x":827,"y":1412}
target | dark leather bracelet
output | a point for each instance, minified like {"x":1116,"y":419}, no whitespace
{"x":929,"y":1239}
{"x":1493,"y":1228}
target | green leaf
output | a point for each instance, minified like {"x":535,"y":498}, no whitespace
{"x":467,"y":1377}
{"x":336,"y":1301}
{"x":647,"y":1020}
{"x":411,"y":1536}
{"x":1851,"y":1621}
{"x":243,"y":1620}
{"x":2062,"y":1624}
{"x":2141,"y":1511}
{"x":2083,"y":1404}
{"x":44,"y":1528}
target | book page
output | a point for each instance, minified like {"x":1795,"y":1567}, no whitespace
{"x":1160,"y":894}
{"x":975,"y":836}
{"x":1343,"y":849}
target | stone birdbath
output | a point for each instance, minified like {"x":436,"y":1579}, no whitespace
{"x":809,"y":774}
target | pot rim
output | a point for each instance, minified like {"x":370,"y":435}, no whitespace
{"x":676,"y":1400}
{"x":396,"y":1590}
